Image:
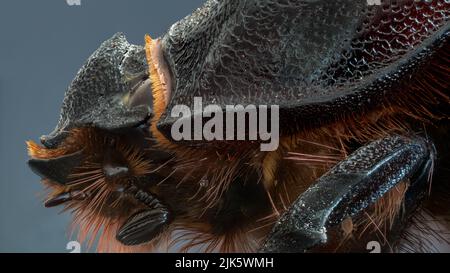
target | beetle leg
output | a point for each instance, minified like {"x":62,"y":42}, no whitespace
{"x":351,"y":187}
{"x":146,"y":224}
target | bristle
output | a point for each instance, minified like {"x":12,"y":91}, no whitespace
{"x":137,"y":164}
{"x":198,"y":237}
{"x":158,"y":90}
{"x":88,"y":179}
{"x":384,"y":213}
{"x":425,"y":233}
{"x":375,"y":222}
{"x":159,"y":103}
{"x":39,"y":152}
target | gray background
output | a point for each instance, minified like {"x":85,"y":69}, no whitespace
{"x":42,"y":46}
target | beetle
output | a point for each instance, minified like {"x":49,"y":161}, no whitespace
{"x":362,"y":91}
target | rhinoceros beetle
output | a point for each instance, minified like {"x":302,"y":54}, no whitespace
{"x":361,"y":92}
